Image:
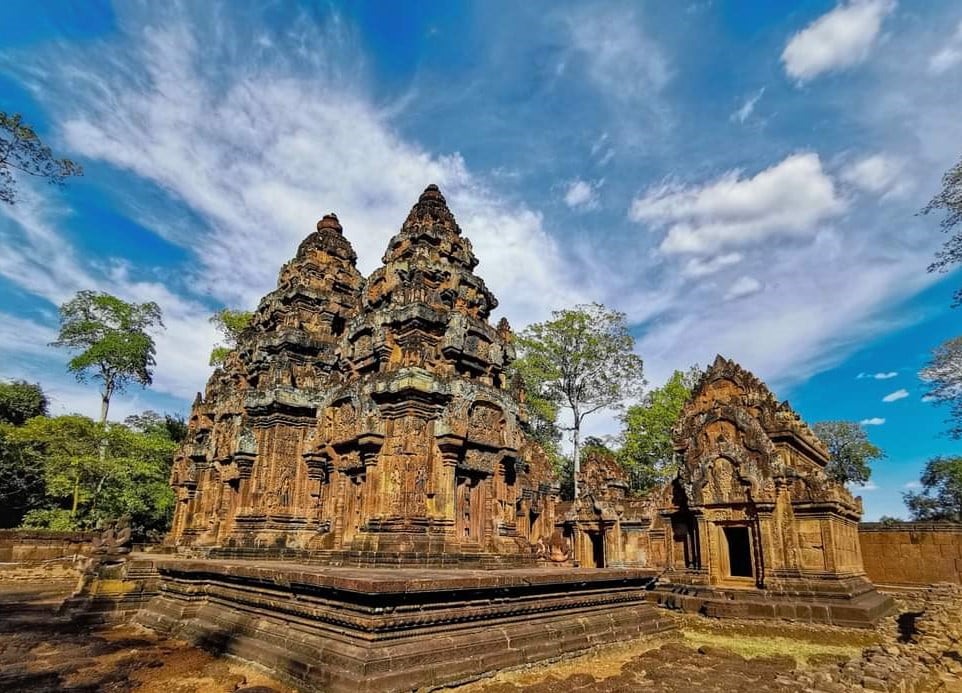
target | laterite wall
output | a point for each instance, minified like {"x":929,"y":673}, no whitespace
{"x":34,"y":546}
{"x":911,"y":553}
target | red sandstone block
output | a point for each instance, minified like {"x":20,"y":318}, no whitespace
{"x":950,"y":550}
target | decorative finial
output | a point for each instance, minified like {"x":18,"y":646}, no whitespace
{"x":432,"y":193}
{"x":330,"y":222}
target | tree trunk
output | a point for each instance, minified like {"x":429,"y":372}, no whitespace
{"x":76,"y":493}
{"x":576,"y":437}
{"x":104,"y":408}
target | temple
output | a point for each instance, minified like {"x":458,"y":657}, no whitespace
{"x":368,"y":418}
{"x":360,"y":508}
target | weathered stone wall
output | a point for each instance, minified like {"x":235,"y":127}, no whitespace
{"x":24,"y":546}
{"x":911,"y":553}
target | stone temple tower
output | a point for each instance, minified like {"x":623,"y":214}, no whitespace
{"x":368,"y":421}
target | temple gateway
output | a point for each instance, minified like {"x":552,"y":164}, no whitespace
{"x":360,"y":507}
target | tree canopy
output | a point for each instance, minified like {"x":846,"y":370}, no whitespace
{"x":581,"y":360}
{"x":941,"y":496}
{"x":92,"y":472}
{"x":111,"y":336}
{"x":20,"y":400}
{"x":944,"y":377}
{"x":230,"y":323}
{"x":647,"y":453}
{"x":850,"y":451}
{"x":21,"y":150}
{"x":948,"y":201}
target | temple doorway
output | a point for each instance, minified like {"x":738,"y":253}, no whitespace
{"x":597,"y":549}
{"x":739,"y":552}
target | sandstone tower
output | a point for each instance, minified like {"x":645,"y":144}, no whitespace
{"x":368,"y":420}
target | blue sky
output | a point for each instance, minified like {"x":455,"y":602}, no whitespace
{"x":738,"y":177}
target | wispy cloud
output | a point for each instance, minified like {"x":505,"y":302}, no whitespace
{"x":788,"y":199}
{"x":743,"y":286}
{"x":747,"y":108}
{"x":258,"y":150}
{"x":913,"y":485}
{"x":884,"y":375}
{"x":582,"y":195}
{"x":863,"y":488}
{"x":838,"y":39}
{"x":878,"y":174}
{"x":895,"y":396}
{"x":874,"y":421}
{"x":950,"y":55}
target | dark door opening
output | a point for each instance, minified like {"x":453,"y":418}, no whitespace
{"x":598,"y":549}
{"x":739,"y":552}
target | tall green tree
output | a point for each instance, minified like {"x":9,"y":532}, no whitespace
{"x":231,"y":324}
{"x":22,"y":151}
{"x":941,"y":496}
{"x":647,"y":452}
{"x":581,"y":360}
{"x":943,"y":374}
{"x":20,"y":400}
{"x":111,"y":336}
{"x":94,"y":472}
{"x":170,"y":426}
{"x":948,"y":202}
{"x":944,"y":371}
{"x":21,"y":479}
{"x":850,"y":451}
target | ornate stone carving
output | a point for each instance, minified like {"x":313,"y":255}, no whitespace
{"x":350,"y":407}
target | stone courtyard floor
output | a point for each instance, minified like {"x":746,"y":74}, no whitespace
{"x":40,"y":651}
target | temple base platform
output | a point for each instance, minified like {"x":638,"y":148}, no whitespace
{"x":854,"y":603}
{"x":374,"y":629}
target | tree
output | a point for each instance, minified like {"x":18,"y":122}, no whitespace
{"x":170,"y":426}
{"x":231,"y":324}
{"x":580,"y":360}
{"x":647,"y":452}
{"x":21,"y":479}
{"x":20,"y":400}
{"x":944,"y":376}
{"x":949,"y":202}
{"x":941,"y":496}
{"x":83,"y":486}
{"x":112,"y":336}
{"x":850,"y":451}
{"x":21,"y":150}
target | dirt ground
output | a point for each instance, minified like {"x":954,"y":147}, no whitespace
{"x":41,"y":652}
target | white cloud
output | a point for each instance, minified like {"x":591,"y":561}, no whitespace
{"x":895,"y":396}
{"x":747,"y":108}
{"x":838,"y":39}
{"x":698,"y":267}
{"x":878,"y":174}
{"x":950,"y":55}
{"x":259,"y":153}
{"x":874,"y":421}
{"x":620,"y":57}
{"x":581,"y":195}
{"x":913,"y":484}
{"x":862,"y":488}
{"x":885,"y":375}
{"x":21,"y":336}
{"x":743,"y":286}
{"x":790,"y":198}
